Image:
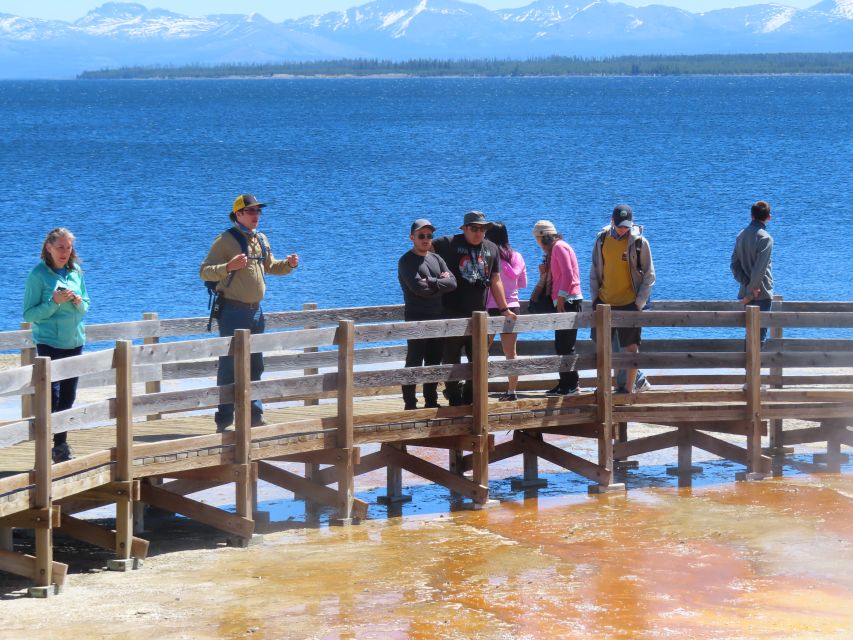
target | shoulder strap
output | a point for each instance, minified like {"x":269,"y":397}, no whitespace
{"x":240,"y":238}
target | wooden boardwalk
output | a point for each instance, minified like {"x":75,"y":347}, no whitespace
{"x":130,"y":461}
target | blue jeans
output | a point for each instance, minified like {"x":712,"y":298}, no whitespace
{"x":64,"y":392}
{"x":231,"y":319}
{"x":763,"y":305}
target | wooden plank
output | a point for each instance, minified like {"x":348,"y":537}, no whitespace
{"x":177,"y":463}
{"x":100,"y":537}
{"x":15,"y":433}
{"x":803,"y":436}
{"x":555,"y":455}
{"x":42,"y":467}
{"x":212,"y":476}
{"x":311,"y":490}
{"x":624,"y":360}
{"x":222,"y":520}
{"x":151,"y":386}
{"x":121,"y":330}
{"x":77,"y":484}
{"x":85,"y":363}
{"x":813,"y":411}
{"x":808,"y":359}
{"x":17,"y":380}
{"x":412,"y":330}
{"x":411,"y":375}
{"x":325,"y":317}
{"x":344,"y":437}
{"x":24,"y":565}
{"x":604,"y":395}
{"x":33,"y":519}
{"x":112,"y":492}
{"x":184,"y":400}
{"x":281,"y":340}
{"x":123,"y":469}
{"x":23,"y":339}
{"x":480,"y":417}
{"x":720,"y":448}
{"x":677,"y":318}
{"x":87,"y":416}
{"x":436,"y":474}
{"x":799,"y":319}
{"x":639,"y":446}
{"x":183,"y":350}
{"x":326,"y":456}
{"x":313,"y":351}
{"x":243,"y":419}
{"x":541,"y":365}
{"x":368,"y":463}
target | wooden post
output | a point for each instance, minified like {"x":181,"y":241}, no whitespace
{"x":530,"y":466}
{"x":124,"y":451}
{"x":28,"y":354}
{"x":604,"y":399}
{"x":776,"y":444}
{"x":152,"y":386}
{"x":310,"y":371}
{"x":344,"y":466}
{"x":42,"y":468}
{"x":753,"y":393}
{"x":242,"y":351}
{"x":480,"y":380}
{"x":311,"y":468}
{"x":394,"y":482}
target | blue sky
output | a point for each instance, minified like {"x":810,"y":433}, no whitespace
{"x":278,"y":10}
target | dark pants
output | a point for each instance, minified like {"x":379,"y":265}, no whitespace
{"x":564,"y":345}
{"x":423,"y":352}
{"x":763,"y":305}
{"x":64,"y":392}
{"x":231,"y":319}
{"x":458,"y":394}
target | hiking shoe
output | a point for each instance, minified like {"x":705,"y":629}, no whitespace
{"x":222,"y":426}
{"x":642,"y":385}
{"x":509,"y":396}
{"x":562,"y":391}
{"x":431,"y":404}
{"x":61,"y":453}
{"x":258,"y":421}
{"x":621,"y":391}
{"x":410,"y":407}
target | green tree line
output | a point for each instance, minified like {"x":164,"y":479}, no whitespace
{"x":646,"y":65}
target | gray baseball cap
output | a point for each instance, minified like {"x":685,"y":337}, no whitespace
{"x":420,"y":223}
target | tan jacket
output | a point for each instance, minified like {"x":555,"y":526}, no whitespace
{"x":247,"y":285}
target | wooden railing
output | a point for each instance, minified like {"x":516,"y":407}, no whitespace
{"x":694,"y":405}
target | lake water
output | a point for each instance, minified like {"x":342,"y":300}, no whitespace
{"x":145,"y":172}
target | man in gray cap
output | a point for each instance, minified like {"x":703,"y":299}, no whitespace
{"x":622,"y":276}
{"x":476,"y":264}
{"x":423,"y":277}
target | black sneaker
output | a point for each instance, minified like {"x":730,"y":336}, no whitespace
{"x":410,"y":407}
{"x":562,"y":391}
{"x":258,"y":421}
{"x":509,"y":396}
{"x":222,"y":426}
{"x":431,"y":404}
{"x":61,"y":453}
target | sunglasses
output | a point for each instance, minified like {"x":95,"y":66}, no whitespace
{"x":252,"y":210}
{"x":477,"y":228}
{"x":424,"y":236}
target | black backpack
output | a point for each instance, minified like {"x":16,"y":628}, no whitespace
{"x":210,"y":285}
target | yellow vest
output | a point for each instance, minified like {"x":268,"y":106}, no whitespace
{"x":616,"y":286}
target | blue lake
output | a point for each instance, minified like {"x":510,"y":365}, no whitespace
{"x":145,"y":172}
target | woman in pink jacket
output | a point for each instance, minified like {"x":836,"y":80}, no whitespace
{"x":560,"y":277}
{"x":513,"y":277}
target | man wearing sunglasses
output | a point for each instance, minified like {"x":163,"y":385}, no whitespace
{"x":424,"y":278}
{"x":476,"y":264}
{"x":241,"y":288}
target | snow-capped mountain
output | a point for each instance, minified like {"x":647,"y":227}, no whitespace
{"x":117,"y":34}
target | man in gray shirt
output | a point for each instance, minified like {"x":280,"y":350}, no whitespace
{"x":423,"y":277}
{"x":751,"y":261}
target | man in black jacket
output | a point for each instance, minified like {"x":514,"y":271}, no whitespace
{"x":424,"y":277}
{"x":476,"y":264}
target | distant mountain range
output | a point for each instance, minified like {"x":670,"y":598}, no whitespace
{"x":124,"y":34}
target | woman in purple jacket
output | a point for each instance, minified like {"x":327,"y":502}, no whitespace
{"x":560,"y":277}
{"x":513,"y":277}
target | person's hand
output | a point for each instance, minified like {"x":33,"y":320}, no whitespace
{"x":77,"y":300}
{"x":756,"y":293}
{"x":444,"y":274}
{"x":745,"y":300}
{"x":62,"y":295}
{"x":509,"y":313}
{"x":561,"y":304}
{"x":237,"y":262}
{"x":293,"y":260}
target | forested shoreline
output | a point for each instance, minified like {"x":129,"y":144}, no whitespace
{"x":648,"y":65}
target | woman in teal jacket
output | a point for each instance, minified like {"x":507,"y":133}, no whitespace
{"x":55,"y":301}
